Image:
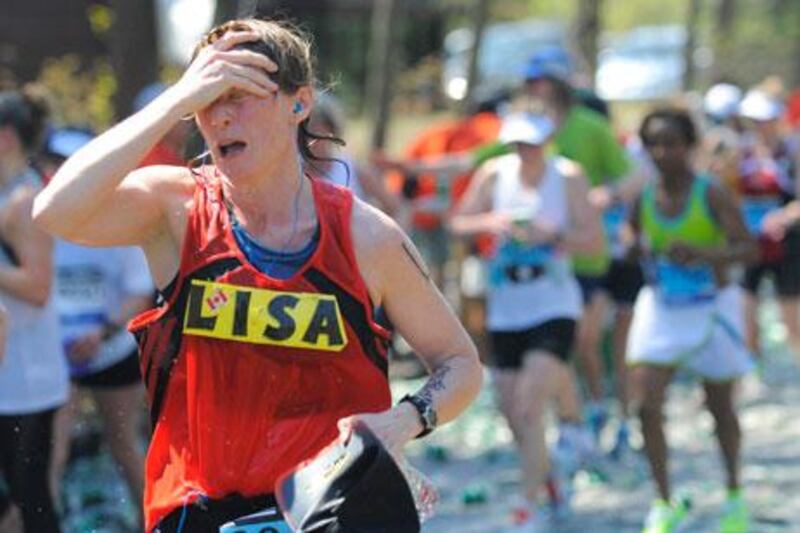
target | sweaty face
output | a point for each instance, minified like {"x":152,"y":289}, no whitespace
{"x":245,"y":132}
{"x":667,"y":146}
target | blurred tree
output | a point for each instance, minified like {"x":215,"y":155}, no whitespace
{"x":723,"y":33}
{"x":81,"y":95}
{"x":381,"y":67}
{"x":133,"y":48}
{"x":479,"y":17}
{"x":587,"y":28}
{"x":692,"y":20}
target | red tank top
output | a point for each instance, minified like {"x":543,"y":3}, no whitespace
{"x":247,"y":375}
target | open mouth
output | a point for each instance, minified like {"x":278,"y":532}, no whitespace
{"x":232,"y":148}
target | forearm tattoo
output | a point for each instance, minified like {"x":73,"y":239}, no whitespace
{"x":435,"y":383}
{"x":417,"y":260}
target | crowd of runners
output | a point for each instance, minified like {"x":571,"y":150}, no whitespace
{"x":254,"y":294}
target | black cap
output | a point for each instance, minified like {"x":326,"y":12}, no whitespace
{"x":352,"y":486}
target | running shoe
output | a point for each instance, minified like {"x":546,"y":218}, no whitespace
{"x":527,"y":520}
{"x":596,"y":419}
{"x":735,"y":518}
{"x":578,"y":442}
{"x":559,"y":497}
{"x":664,"y":516}
{"x":622,"y":445}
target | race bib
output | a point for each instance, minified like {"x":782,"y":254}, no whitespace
{"x":262,"y":316}
{"x":681,"y":284}
{"x":755,"y":210}
{"x":613,"y":219}
{"x":269,"y":521}
{"x":515,"y":263}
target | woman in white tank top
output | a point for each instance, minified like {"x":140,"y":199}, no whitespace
{"x":33,"y":374}
{"x":537,"y":207}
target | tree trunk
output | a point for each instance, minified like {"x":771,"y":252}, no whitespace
{"x":381,"y":67}
{"x":723,"y":34}
{"x":691,"y":38}
{"x":587,"y":31}
{"x":480,"y":14}
{"x":796,"y":70}
{"x":726,"y":14}
{"x":133,"y":50}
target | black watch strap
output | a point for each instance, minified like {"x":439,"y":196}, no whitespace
{"x":427,"y":415}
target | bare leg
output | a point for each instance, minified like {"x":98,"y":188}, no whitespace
{"x":62,"y":431}
{"x":751,"y":323}
{"x":523,"y":397}
{"x":568,"y":400}
{"x":621,"y":327}
{"x":791,"y":318}
{"x":719,"y":400}
{"x":538,"y":385}
{"x":121,"y":409}
{"x":587,"y":346}
{"x":650,"y":386}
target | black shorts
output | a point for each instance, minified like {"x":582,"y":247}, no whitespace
{"x":554,"y":336}
{"x":121,"y":374}
{"x":206,"y":515}
{"x":589,"y":286}
{"x":623,"y":281}
{"x":785,"y":273}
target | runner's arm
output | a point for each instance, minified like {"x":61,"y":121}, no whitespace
{"x":474,"y":214}
{"x":399,"y":281}
{"x":741,"y":246}
{"x":29,"y":280}
{"x":96,"y":198}
{"x":92,"y":199}
{"x":585,"y":233}
{"x":631,"y":233}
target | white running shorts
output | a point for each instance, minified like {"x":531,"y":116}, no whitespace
{"x":706,"y":338}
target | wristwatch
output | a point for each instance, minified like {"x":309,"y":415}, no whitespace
{"x":427,"y":414}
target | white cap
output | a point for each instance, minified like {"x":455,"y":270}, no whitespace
{"x":761,"y":106}
{"x":722,"y":101}
{"x":527,"y":128}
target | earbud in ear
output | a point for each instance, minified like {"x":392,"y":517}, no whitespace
{"x":297,"y":107}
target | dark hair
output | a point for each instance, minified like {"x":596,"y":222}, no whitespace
{"x":26,"y":111}
{"x":290,"y":48}
{"x":678,"y":118}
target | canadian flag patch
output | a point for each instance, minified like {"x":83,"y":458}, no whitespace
{"x":217,"y":299}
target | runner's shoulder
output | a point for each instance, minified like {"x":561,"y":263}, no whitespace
{"x":372,"y":229}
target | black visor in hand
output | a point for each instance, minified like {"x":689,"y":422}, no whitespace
{"x":349,"y":487}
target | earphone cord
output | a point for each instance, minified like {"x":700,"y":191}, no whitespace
{"x":296,"y":214}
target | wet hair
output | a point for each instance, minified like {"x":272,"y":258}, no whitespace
{"x":26,"y":111}
{"x":290,"y":48}
{"x":677,"y":118}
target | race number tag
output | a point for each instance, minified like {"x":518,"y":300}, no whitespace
{"x":513,"y":258}
{"x":269,"y":521}
{"x":684,"y":285}
{"x":755,"y":210}
{"x":613,"y":219}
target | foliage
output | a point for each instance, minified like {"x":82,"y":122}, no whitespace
{"x":81,"y":94}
